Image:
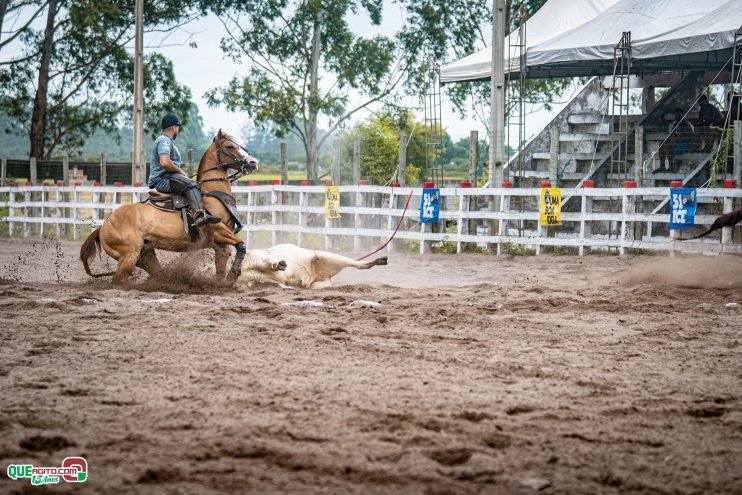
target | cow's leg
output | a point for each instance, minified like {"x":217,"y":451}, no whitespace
{"x":263,"y":261}
{"x":327,"y":265}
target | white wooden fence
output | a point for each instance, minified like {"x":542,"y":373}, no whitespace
{"x":607,"y":218}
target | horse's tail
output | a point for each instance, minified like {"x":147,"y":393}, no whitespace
{"x":726,"y":220}
{"x":90,"y":248}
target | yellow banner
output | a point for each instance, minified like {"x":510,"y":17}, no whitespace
{"x":550,"y":209}
{"x":332,"y":202}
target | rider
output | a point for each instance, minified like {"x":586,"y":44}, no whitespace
{"x":166,"y":176}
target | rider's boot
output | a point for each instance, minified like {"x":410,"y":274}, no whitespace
{"x":201,"y":217}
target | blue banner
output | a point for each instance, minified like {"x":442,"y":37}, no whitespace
{"x":683,"y":202}
{"x":430,"y":206}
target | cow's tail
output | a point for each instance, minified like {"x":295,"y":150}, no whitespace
{"x":89,"y":249}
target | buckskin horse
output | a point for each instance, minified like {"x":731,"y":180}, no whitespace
{"x":133,"y":231}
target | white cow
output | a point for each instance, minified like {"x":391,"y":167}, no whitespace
{"x":290,"y":265}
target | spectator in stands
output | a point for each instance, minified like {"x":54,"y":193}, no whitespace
{"x":678,"y":142}
{"x":708,"y":117}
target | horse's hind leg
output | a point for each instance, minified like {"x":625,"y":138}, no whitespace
{"x":148,"y":260}
{"x":221,"y":256}
{"x":127,"y":262}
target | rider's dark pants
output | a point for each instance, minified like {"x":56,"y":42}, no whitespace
{"x":180,"y":184}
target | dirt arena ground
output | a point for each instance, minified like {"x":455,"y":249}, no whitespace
{"x":474,"y":374}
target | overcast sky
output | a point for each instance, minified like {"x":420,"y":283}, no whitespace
{"x":205,"y":67}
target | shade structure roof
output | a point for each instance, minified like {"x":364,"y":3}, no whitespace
{"x":554,"y":18}
{"x":666,"y":36}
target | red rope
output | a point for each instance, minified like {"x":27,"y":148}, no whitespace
{"x":395,"y":230}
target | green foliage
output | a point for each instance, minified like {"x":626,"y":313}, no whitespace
{"x":513,"y":249}
{"x":91,"y":72}
{"x":289,"y":43}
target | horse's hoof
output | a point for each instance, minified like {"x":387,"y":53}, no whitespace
{"x":279,"y":267}
{"x":233,"y":276}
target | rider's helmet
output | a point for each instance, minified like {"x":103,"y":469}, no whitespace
{"x":169,"y":120}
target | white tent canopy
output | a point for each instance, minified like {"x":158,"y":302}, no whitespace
{"x":666,"y":35}
{"x":554,"y":18}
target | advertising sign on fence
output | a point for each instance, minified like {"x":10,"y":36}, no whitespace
{"x":430,"y":205}
{"x":550,"y":209}
{"x":332,"y":202}
{"x":683,"y":203}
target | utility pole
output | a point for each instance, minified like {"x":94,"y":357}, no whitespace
{"x":497,"y":98}
{"x":136,"y":157}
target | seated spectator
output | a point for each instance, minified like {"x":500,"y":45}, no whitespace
{"x":708,"y":116}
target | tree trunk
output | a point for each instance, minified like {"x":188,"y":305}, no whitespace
{"x":38,"y":117}
{"x":311,"y":124}
{"x":3,"y":10}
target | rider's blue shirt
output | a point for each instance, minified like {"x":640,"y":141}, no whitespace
{"x":158,"y":176}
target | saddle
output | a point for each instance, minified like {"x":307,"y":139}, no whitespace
{"x":178,"y":204}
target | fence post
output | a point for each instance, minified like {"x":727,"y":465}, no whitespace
{"x":303,"y":204}
{"x":553,"y":156}
{"x":103,"y":170}
{"x":586,"y":226}
{"x":3,"y":171}
{"x":44,"y":199}
{"x":503,"y":228}
{"x":189,"y":170}
{"x":60,"y":198}
{"x":356,"y":160}
{"x":402,"y":158}
{"x":628,"y":207}
{"x":251,"y":215}
{"x":726,"y":232}
{"x":26,"y":200}
{"x":11,"y":210}
{"x":737,"y":170}
{"x":76,"y":214}
{"x":33,"y":170}
{"x":358,"y":218}
{"x":275,"y":215}
{"x":463,"y":206}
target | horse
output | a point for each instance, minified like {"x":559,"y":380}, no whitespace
{"x":132,"y":232}
{"x":726,"y":220}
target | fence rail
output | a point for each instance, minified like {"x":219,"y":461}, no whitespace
{"x":602,"y":218}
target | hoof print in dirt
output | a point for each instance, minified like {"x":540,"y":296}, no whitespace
{"x":496,"y":441}
{"x":707,"y":412}
{"x":520,"y":409}
{"x":450,"y":457}
{"x":38,"y":443}
{"x":158,"y":475}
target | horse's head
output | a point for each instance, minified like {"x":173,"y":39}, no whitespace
{"x":232,"y":155}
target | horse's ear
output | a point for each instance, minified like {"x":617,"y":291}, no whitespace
{"x":219,"y":134}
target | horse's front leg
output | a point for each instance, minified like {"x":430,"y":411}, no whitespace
{"x":221,"y":256}
{"x":224,"y":236}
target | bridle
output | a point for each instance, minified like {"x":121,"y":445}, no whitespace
{"x":244,"y":166}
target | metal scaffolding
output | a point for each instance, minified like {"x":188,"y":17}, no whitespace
{"x":434,"y":145}
{"x":515,"y":100}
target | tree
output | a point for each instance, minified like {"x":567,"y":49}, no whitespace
{"x":293,"y":46}
{"x":82,"y":78}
